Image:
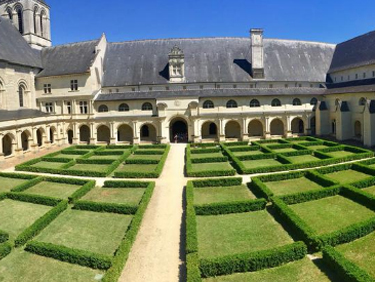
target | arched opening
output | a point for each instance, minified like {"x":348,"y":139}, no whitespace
{"x":7,"y":145}
{"x":20,"y":19}
{"x":148,"y":133}
{"x":208,"y":104}
{"x":123,"y":108}
{"x":84,"y":134}
{"x":277,"y":127}
{"x":103,"y":109}
{"x":362,"y":101}
{"x":39,"y":137}
{"x":103,"y":134}
{"x":147,"y":107}
{"x":333,"y":126}
{"x":313,"y":125}
{"x":10,"y":14}
{"x":21,"y":94}
{"x":297,"y":126}
{"x":232,"y":104}
{"x":233,"y":130}
{"x":276,"y":103}
{"x":178,"y":129}
{"x":357,"y":129}
{"x":125,"y":133}
{"x":255,"y":128}
{"x":297,"y":102}
{"x":25,"y":136}
{"x":42,"y":14}
{"x":209,"y":130}
{"x":52,"y":131}
{"x":70,"y":136}
{"x":254,"y":103}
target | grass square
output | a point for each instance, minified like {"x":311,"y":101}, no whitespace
{"x":339,"y":154}
{"x":303,"y":270}
{"x":317,"y":147}
{"x":65,"y":156}
{"x":145,"y":157}
{"x":137,"y":167}
{"x":370,"y":189}
{"x":27,"y":267}
{"x":222,"y":235}
{"x":290,"y":186}
{"x":261,"y":163}
{"x":284,"y":150}
{"x":303,"y":159}
{"x":85,"y":230}
{"x":332,"y":213}
{"x":17,"y":216}
{"x":53,"y":189}
{"x":347,"y":176}
{"x":209,"y":195}
{"x":105,"y":157}
{"x":203,"y":156}
{"x":247,"y":153}
{"x":89,"y":167}
{"x":48,"y":165}
{"x":361,"y":252}
{"x":212,"y":166}
{"x":115,"y":195}
{"x":8,"y":183}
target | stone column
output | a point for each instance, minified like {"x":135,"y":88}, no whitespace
{"x":136,"y":138}
{"x":93,"y":137}
{"x":288,"y":132}
{"x":267,"y":133}
{"x":34,"y":145}
{"x":245,"y":130}
{"x":75,"y":134}
{"x":113,"y":134}
{"x":221,"y":130}
{"x":18,"y":143}
{"x":1,"y":148}
{"x":197,"y":134}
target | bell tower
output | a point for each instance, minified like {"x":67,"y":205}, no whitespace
{"x":31,"y":18}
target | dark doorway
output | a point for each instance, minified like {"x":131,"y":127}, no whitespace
{"x":70,"y":136}
{"x":179,"y":131}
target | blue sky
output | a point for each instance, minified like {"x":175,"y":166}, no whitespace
{"x":316,"y":20}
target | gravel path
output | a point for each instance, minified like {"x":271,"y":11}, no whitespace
{"x":158,"y":252}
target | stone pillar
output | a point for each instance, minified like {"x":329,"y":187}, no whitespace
{"x":245,"y":130}
{"x":163,"y":131}
{"x":288,"y":127}
{"x":1,"y":148}
{"x":47,"y":136}
{"x":18,"y":143}
{"x":196,"y":131}
{"x":113,"y":133}
{"x":221,"y":130}
{"x":136,"y":138}
{"x":93,"y":138}
{"x":34,"y":145}
{"x":75,"y":134}
{"x":267,"y":133}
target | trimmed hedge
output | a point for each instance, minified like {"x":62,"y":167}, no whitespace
{"x":310,"y":195}
{"x":40,"y":224}
{"x":122,"y":253}
{"x":252,"y":261}
{"x":35,"y":199}
{"x":62,"y":253}
{"x":5,"y":250}
{"x":4,"y":236}
{"x":217,"y":182}
{"x":125,"y":184}
{"x":141,"y":161}
{"x":110,"y":147}
{"x":193,"y":273}
{"x":87,"y":187}
{"x":149,"y":152}
{"x":209,"y":160}
{"x":348,"y":271}
{"x":105,"y":207}
{"x":94,"y":161}
{"x":230,"y":207}
{"x":245,"y":148}
{"x":235,"y":144}
{"x":27,"y":185}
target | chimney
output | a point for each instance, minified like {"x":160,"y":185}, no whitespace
{"x":257,"y":53}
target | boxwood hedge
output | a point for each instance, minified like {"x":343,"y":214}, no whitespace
{"x":105,"y":207}
{"x":5,"y":250}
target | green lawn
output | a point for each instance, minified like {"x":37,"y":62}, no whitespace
{"x":303,"y":159}
{"x":339,"y":154}
{"x":317,"y":147}
{"x":105,"y":157}
{"x":153,"y":149}
{"x":260,"y":163}
{"x":53,"y":189}
{"x":17,"y":216}
{"x":89,"y":167}
{"x":361,"y":252}
{"x":347,"y":176}
{"x":85,"y":230}
{"x":332,"y":213}
{"x":145,"y":157}
{"x":115,"y":195}
{"x":210,"y":155}
{"x":48,"y":165}
{"x":68,"y":156}
{"x":284,"y":150}
{"x":9,"y":183}
{"x":370,"y":189}
{"x":299,"y":271}
{"x":27,"y":267}
{"x":209,"y":195}
{"x":230,"y":234}
{"x":212,"y":166}
{"x":291,"y":186}
{"x":247,"y":153}
{"x":137,"y":167}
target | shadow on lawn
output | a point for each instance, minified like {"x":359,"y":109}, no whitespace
{"x":182,"y":251}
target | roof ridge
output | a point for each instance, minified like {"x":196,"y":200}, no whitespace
{"x":179,"y":38}
{"x":355,"y":38}
{"x":302,"y":41}
{"x":72,"y":43}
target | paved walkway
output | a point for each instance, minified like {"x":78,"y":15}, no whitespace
{"x":158,"y":252}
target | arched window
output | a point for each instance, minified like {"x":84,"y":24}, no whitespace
{"x":276,"y":103}
{"x":103,"y":109}
{"x":21,"y":93}
{"x":10,"y":13}
{"x":254,"y":103}
{"x":208,"y":104}
{"x":297,"y":102}
{"x":231,"y":104}
{"x":313,"y":101}
{"x":147,"y":107}
{"x":20,"y":19}
{"x":42,"y":14}
{"x":35,"y":20}
{"x":212,"y":129}
{"x":362,"y":101}
{"x":123,"y":108}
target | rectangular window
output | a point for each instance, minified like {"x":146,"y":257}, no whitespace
{"x":74,"y":85}
{"x":201,"y":86}
{"x":110,"y":90}
{"x":49,"y":108}
{"x":83,"y":107}
{"x":167,"y":88}
{"x":271,"y":85}
{"x":184,"y":88}
{"x":373,"y":73}
{"x":356,"y":76}
{"x":335,"y":79}
{"x":342,"y":78}
{"x":150,"y":88}
{"x":311,"y":85}
{"x":251,"y":85}
{"x":69,"y":107}
{"x":364,"y":75}
{"x":218,"y":86}
{"x":348,"y":77}
{"x":117,"y":90}
{"x":286,"y":85}
{"x":234,"y":85}
{"x":47,"y":89}
{"x":299,"y":85}
{"x":133,"y":89}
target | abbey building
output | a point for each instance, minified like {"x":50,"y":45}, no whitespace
{"x":200,"y":89}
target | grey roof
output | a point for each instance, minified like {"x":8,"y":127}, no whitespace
{"x":13,"y":47}
{"x":352,"y":83}
{"x":355,"y":52}
{"x":215,"y":60}
{"x":351,"y":89}
{"x":206,"y":93}
{"x":75,"y":58}
{"x":20,"y":114}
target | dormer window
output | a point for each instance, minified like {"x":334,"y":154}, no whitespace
{"x":176,"y":65}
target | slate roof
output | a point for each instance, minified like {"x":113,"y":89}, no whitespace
{"x":20,"y":114}
{"x":355,"y":52}
{"x":75,"y":58}
{"x":13,"y":47}
{"x":209,"y":93}
{"x":215,"y":60}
